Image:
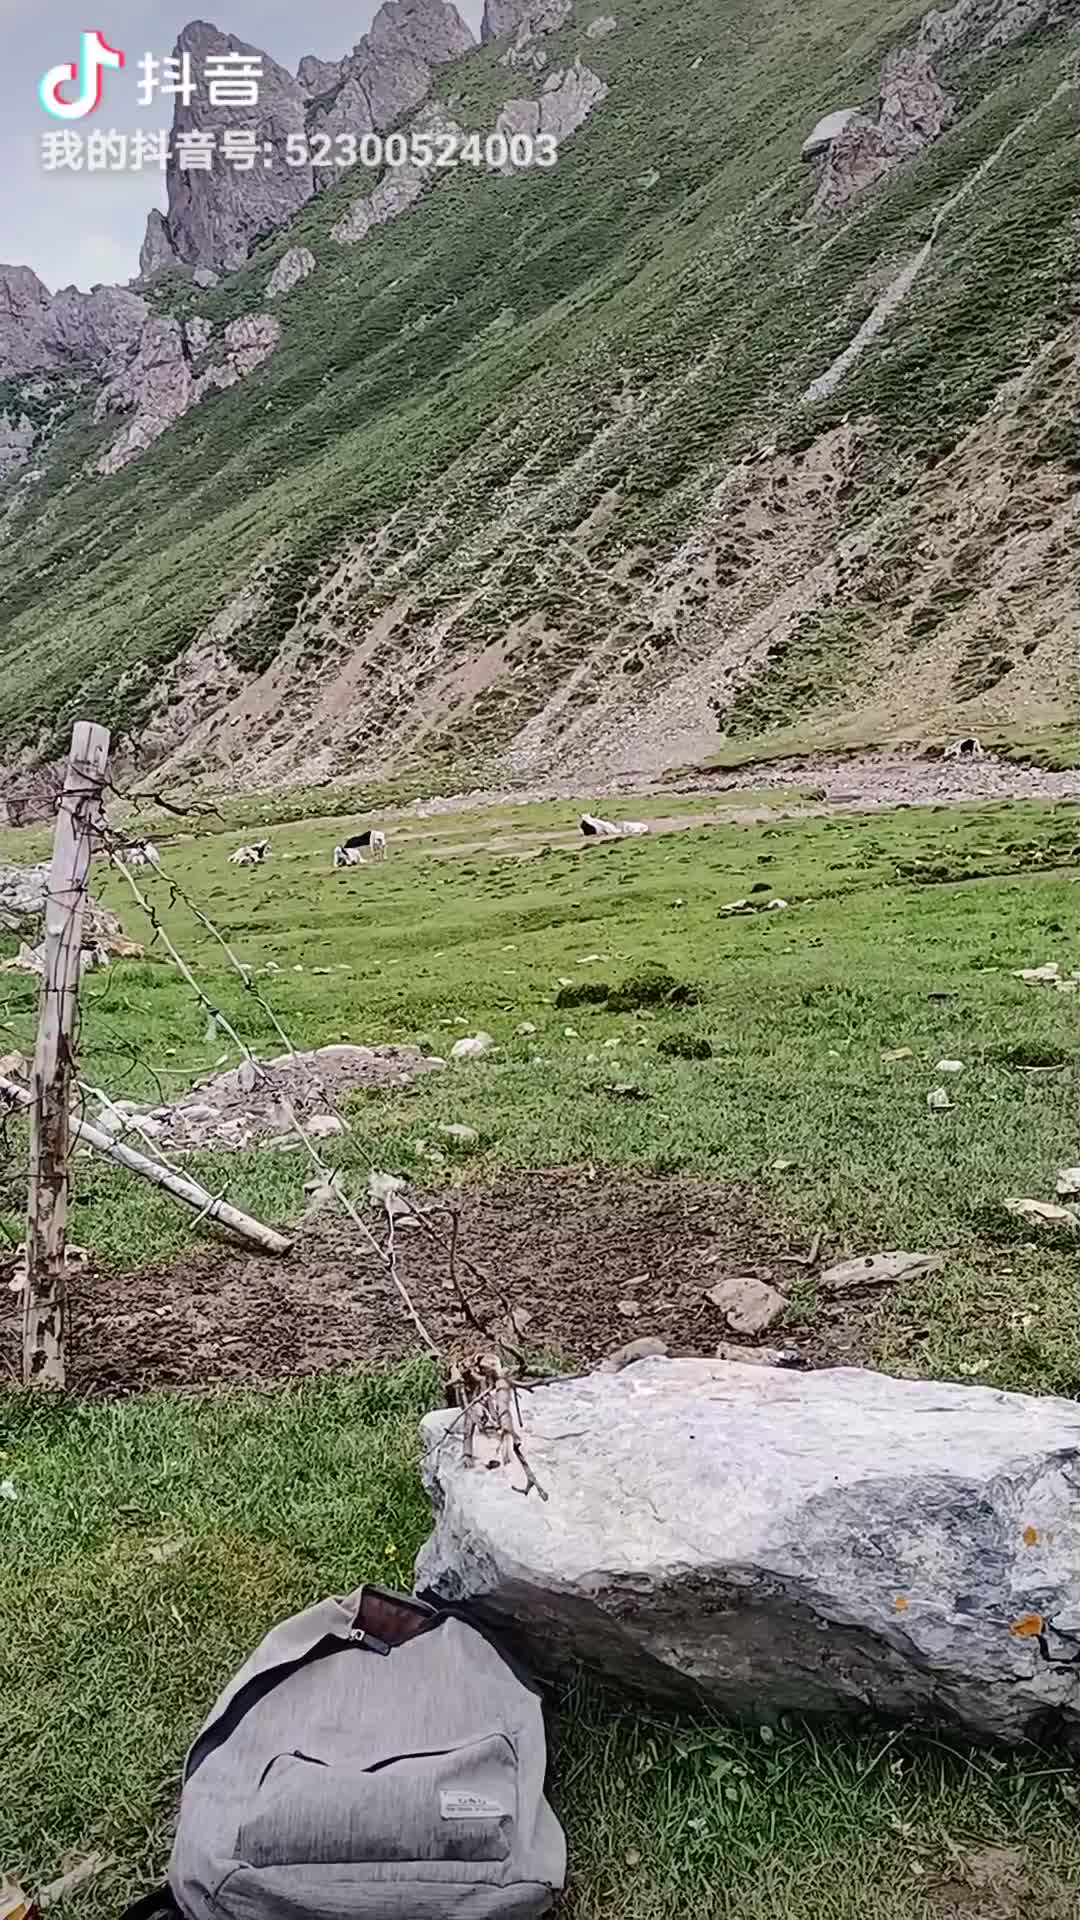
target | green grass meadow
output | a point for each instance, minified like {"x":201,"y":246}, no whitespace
{"x":153,"y":1541}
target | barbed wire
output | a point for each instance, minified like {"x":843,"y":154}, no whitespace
{"x":481,"y":1385}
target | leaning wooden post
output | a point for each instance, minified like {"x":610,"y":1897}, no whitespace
{"x":45,"y":1301}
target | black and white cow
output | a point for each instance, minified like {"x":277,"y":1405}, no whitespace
{"x":351,"y":854}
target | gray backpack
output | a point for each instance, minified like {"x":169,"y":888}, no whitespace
{"x":373,"y":1758}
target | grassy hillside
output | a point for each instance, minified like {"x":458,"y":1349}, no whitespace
{"x":486,"y":451}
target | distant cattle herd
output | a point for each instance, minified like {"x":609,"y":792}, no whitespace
{"x":372,"y":844}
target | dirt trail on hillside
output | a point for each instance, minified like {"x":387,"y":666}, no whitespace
{"x":842,"y":783}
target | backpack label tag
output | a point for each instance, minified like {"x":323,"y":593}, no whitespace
{"x":470,"y":1806}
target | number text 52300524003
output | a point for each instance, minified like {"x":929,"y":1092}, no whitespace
{"x":422,"y":150}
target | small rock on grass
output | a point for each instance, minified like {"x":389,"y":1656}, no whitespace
{"x":462,"y":1136}
{"x":938,"y":1100}
{"x":878,"y":1269}
{"x":472,"y":1048}
{"x":748,"y":1305}
{"x":893,"y":1055}
{"x":1043,"y":1213}
{"x":1068,"y":1182}
{"x":950,"y":1066}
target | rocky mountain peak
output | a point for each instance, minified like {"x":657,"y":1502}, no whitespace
{"x":24,"y":307}
{"x":214,"y":216}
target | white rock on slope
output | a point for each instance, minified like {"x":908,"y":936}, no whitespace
{"x":564,"y":104}
{"x":766,"y":1541}
{"x":400,"y":187}
{"x":291,"y":269}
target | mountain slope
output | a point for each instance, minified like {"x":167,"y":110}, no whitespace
{"x":550,"y":466}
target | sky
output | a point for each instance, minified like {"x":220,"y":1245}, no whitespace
{"x":80,"y":229}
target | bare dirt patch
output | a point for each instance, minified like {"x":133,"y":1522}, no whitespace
{"x":597,"y":1261}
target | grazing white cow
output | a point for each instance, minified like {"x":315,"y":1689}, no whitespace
{"x":142,"y":854}
{"x":348,"y":857}
{"x":596,"y":829}
{"x":252,"y":856}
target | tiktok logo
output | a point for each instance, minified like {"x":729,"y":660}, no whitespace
{"x":94,"y":56}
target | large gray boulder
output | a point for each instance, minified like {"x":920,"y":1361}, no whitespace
{"x":769,"y":1542}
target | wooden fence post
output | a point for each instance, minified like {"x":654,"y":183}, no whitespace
{"x":45,"y":1301}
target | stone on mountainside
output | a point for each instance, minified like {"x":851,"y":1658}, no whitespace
{"x":158,"y":386}
{"x":251,"y":340}
{"x":291,"y":269}
{"x":215,"y":217}
{"x":878,"y":1270}
{"x":99,"y":331}
{"x":913,"y":110}
{"x":565,"y":102}
{"x":599,"y":28}
{"x":763,"y":1541}
{"x":986,"y":23}
{"x":1068,"y":1183}
{"x":938,"y":1100}
{"x":748,"y":1305}
{"x":155,"y":389}
{"x":198,"y":333}
{"x":205,"y":277}
{"x":400,"y":187}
